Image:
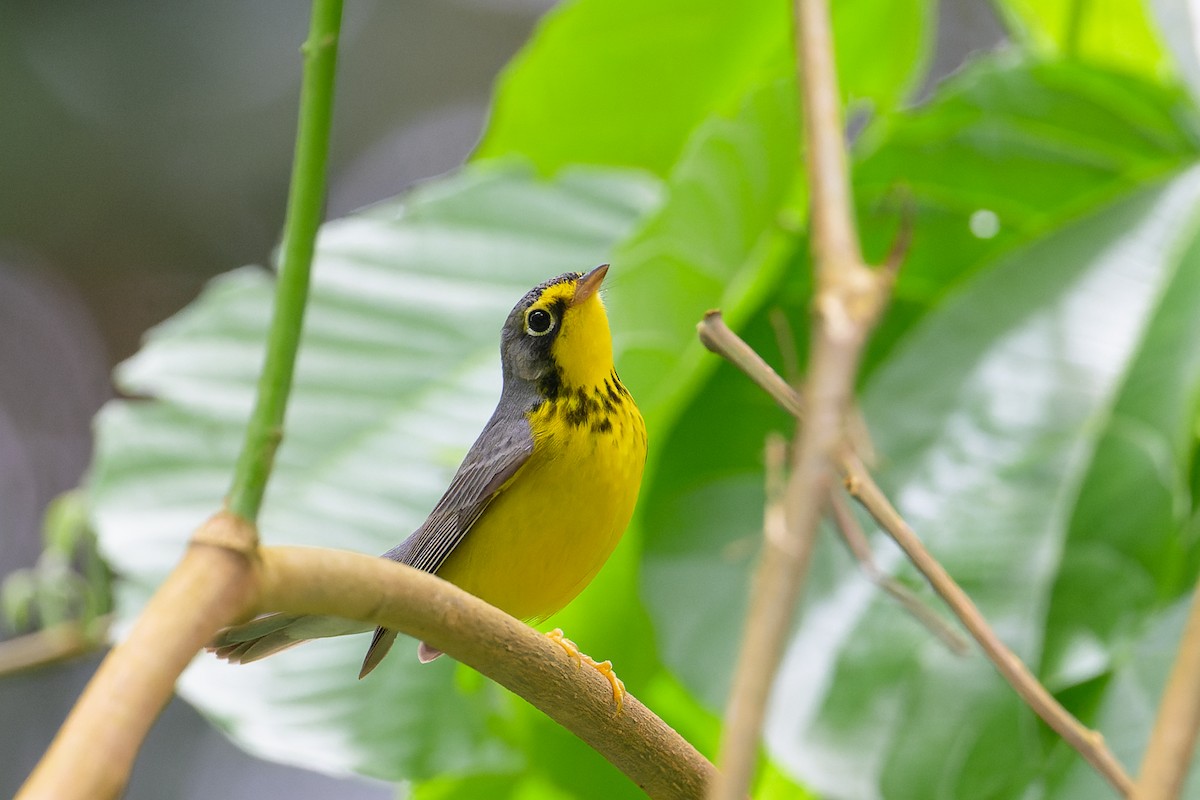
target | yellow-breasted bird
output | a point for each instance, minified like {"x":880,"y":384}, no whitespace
{"x":541,"y":498}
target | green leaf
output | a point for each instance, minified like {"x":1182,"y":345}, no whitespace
{"x":1127,"y":545}
{"x":881,"y":48}
{"x":1007,"y":150}
{"x":397,"y":373}
{"x":1055,"y":126}
{"x":1120,"y":34}
{"x":990,"y":415}
{"x":627,"y":83}
{"x":1130,"y":701}
{"x":717,"y":241}
{"x":1036,"y":145}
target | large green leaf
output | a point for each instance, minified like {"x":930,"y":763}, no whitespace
{"x":990,"y":415}
{"x":1130,"y":547}
{"x":1130,"y":700}
{"x":955,"y":158}
{"x":1075,"y":139}
{"x":1106,"y":33}
{"x":625,"y":82}
{"x":718,"y":240}
{"x":397,"y":373}
{"x":714,"y":241}
{"x":1006,"y":151}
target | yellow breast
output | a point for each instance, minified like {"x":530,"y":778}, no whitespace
{"x":546,"y":535}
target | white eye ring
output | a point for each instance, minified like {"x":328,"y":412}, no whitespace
{"x":535,"y":318}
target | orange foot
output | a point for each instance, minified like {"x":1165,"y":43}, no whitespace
{"x":605,"y":668}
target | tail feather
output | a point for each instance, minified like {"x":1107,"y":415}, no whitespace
{"x":269,"y":634}
{"x":380,"y":644}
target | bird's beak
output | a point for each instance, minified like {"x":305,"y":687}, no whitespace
{"x":588,"y":285}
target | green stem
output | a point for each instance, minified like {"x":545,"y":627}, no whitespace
{"x":305,"y":202}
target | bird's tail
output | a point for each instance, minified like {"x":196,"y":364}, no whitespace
{"x":266,"y":635}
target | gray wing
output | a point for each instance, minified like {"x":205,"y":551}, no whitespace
{"x":499,"y":452}
{"x":497,"y":455}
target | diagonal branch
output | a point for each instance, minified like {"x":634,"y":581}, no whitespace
{"x":94,"y":752}
{"x":856,"y":539}
{"x":718,"y":337}
{"x":314,"y":580}
{"x":848,"y":300}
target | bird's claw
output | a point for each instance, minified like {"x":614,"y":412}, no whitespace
{"x":605,"y":668}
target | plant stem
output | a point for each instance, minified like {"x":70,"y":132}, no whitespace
{"x":305,"y":202}
{"x":848,"y":298}
{"x":717,"y":337}
{"x":1165,"y":763}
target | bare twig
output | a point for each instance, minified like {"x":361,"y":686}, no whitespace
{"x":856,"y":540}
{"x":717,"y":336}
{"x":1168,"y":756}
{"x":62,"y":642}
{"x":1089,"y":743}
{"x":781,"y":558}
{"x":846,"y":305}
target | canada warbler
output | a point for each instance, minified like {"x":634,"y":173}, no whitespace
{"x":543,"y":495}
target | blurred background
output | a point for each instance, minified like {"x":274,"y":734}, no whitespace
{"x":144,"y":148}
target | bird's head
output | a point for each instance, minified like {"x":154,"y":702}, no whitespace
{"x":557,"y":335}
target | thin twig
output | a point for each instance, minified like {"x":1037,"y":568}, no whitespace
{"x":61,"y":642}
{"x":836,"y":250}
{"x":846,"y":305}
{"x":717,"y":336}
{"x":1173,"y":741}
{"x":1088,"y":742}
{"x":856,"y":540}
{"x":780,"y":558}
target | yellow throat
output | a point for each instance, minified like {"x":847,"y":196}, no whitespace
{"x":553,"y":525}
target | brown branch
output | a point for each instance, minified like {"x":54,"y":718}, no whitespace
{"x":1089,"y":743}
{"x":781,"y":558}
{"x":1173,"y":740}
{"x":717,"y":336}
{"x":61,"y":642}
{"x":222,"y":578}
{"x":313,"y":581}
{"x":835,"y":243}
{"x":847,"y":303}
{"x":856,"y":540}
{"x":94,"y":751}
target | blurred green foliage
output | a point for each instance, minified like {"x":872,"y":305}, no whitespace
{"x":70,"y":582}
{"x":1032,"y":393}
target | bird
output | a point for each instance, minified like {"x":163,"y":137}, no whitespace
{"x":542,"y":497}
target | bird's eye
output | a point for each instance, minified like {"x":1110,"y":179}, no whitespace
{"x":539,"y":322}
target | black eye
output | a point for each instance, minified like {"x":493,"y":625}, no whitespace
{"x":539,"y":322}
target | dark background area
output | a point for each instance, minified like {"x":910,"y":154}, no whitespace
{"x":144,"y":148}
